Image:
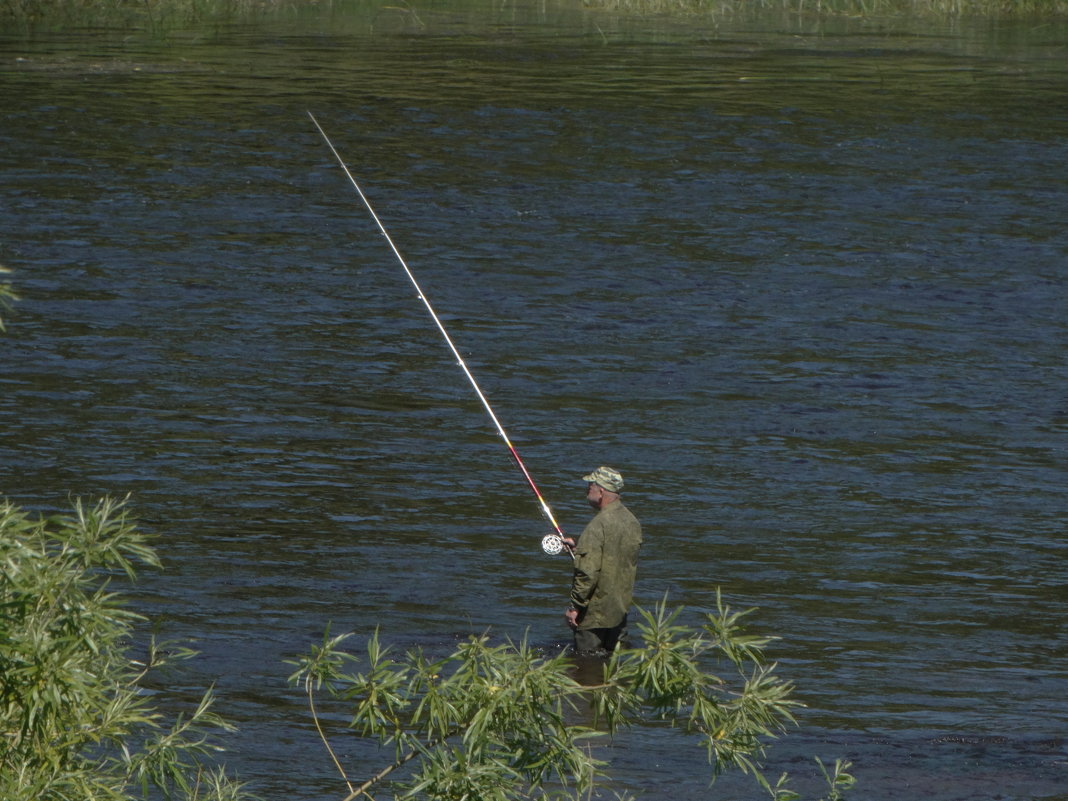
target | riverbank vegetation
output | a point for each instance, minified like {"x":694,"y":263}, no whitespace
{"x":81,"y":693}
{"x":80,"y":712}
{"x":503,"y":722}
{"x":155,"y":14}
{"x":7,"y":296}
{"x":880,"y":9}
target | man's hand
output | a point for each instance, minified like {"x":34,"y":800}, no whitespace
{"x":572,"y":617}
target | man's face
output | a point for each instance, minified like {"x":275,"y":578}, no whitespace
{"x":593,"y":495}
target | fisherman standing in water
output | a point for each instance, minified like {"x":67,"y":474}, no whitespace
{"x":606,"y":559}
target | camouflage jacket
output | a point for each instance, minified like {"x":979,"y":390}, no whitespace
{"x":606,"y":559}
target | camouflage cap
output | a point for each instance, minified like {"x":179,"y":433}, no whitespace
{"x":606,"y":478}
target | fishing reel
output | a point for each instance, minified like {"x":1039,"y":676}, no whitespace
{"x":552,"y":544}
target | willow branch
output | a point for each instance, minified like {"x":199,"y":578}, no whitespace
{"x":322,"y":736}
{"x":404,"y":760}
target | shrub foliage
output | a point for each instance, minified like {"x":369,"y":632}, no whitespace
{"x":7,"y":296}
{"x":76,"y":721}
{"x":501,"y":722}
{"x":495,"y":722}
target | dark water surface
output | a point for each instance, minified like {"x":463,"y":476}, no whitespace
{"x":804,"y":285}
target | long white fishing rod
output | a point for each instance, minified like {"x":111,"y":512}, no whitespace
{"x":551,"y":543}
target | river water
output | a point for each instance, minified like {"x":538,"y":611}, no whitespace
{"x":802,"y":282}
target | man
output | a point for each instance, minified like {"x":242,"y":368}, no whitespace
{"x":606,"y":559}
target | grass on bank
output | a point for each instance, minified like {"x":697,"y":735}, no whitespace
{"x":164,"y":13}
{"x":850,"y":8}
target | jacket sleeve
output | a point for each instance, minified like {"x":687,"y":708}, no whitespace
{"x":588,"y":554}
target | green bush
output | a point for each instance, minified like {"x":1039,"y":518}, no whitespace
{"x":75,"y":720}
{"x":498,"y":722}
{"x":7,"y":295}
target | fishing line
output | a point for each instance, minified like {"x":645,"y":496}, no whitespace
{"x":551,"y":543}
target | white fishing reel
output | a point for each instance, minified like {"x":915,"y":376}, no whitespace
{"x":552,"y":544}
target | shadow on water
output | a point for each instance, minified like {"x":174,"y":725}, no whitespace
{"x":804,"y":286}
{"x":587,"y":669}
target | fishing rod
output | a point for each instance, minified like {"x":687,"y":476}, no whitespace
{"x":551,"y":543}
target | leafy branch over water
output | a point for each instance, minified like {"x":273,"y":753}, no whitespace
{"x":77,"y":720}
{"x":7,"y":296}
{"x":502,"y":722}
